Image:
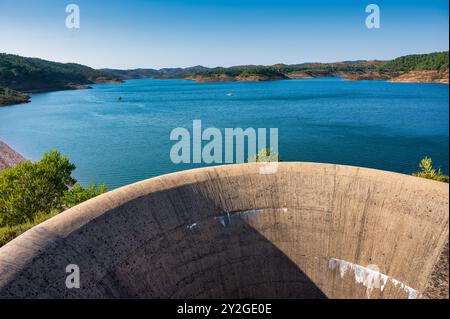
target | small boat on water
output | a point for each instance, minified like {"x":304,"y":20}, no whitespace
{"x":230,"y":94}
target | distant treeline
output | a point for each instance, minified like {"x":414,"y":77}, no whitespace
{"x":311,"y":69}
{"x":432,"y":61}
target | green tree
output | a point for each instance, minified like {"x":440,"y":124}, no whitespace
{"x":29,"y":189}
{"x":427,"y":171}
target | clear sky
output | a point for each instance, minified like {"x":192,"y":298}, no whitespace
{"x":165,"y":33}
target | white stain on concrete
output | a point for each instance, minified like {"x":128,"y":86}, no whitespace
{"x":192,"y":226}
{"x":370,"y":277}
{"x":225,"y":220}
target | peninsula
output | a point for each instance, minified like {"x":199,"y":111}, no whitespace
{"x":20,"y":76}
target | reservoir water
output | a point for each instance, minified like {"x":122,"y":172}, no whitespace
{"x":119,"y":133}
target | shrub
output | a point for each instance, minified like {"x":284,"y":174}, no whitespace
{"x":79,"y":194}
{"x":265,"y":155}
{"x":32,"y":188}
{"x":427,"y":171}
{"x":30,"y":193}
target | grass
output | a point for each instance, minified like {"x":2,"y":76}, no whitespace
{"x":8,"y":233}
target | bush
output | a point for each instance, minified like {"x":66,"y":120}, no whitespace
{"x":427,"y":171}
{"x":32,"y":188}
{"x":30,"y":193}
{"x":78,"y":194}
{"x":265,"y":155}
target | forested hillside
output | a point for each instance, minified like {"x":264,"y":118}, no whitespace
{"x":433,"y":61}
{"x":37,"y":75}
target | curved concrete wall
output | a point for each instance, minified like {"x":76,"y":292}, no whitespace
{"x":306,"y":230}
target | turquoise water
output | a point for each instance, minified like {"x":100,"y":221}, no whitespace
{"x":374,"y":124}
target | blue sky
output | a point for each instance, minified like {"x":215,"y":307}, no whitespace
{"x":154,"y":34}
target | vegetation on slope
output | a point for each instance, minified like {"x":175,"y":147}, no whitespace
{"x":36,"y":75}
{"x":165,"y":73}
{"x":32,"y":74}
{"x":133,"y":74}
{"x":433,"y":61}
{"x":243,"y":73}
{"x":8,"y":97}
{"x":282,"y":71}
{"x":355,"y":70}
{"x":328,"y":69}
{"x":32,"y":192}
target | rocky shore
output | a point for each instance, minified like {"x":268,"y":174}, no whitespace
{"x":416,"y":76}
{"x":9,"y":157}
{"x":424,"y":76}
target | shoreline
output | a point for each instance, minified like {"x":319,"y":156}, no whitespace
{"x":74,"y":87}
{"x":224,"y":80}
{"x":404,"y":78}
{"x":9,"y":157}
{"x":29,"y":93}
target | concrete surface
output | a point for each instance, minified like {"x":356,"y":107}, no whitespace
{"x":305,"y":231}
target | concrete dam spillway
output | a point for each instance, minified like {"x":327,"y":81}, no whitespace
{"x":301,"y":230}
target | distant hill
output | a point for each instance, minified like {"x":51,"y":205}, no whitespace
{"x":282,"y":71}
{"x":20,"y":74}
{"x":153,"y":73}
{"x":423,"y":68}
{"x":37,"y":75}
{"x":239,"y":73}
{"x":132,"y":74}
{"x":431,"y":67}
{"x":433,"y":61}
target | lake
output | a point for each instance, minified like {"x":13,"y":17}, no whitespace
{"x":375,"y":124}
